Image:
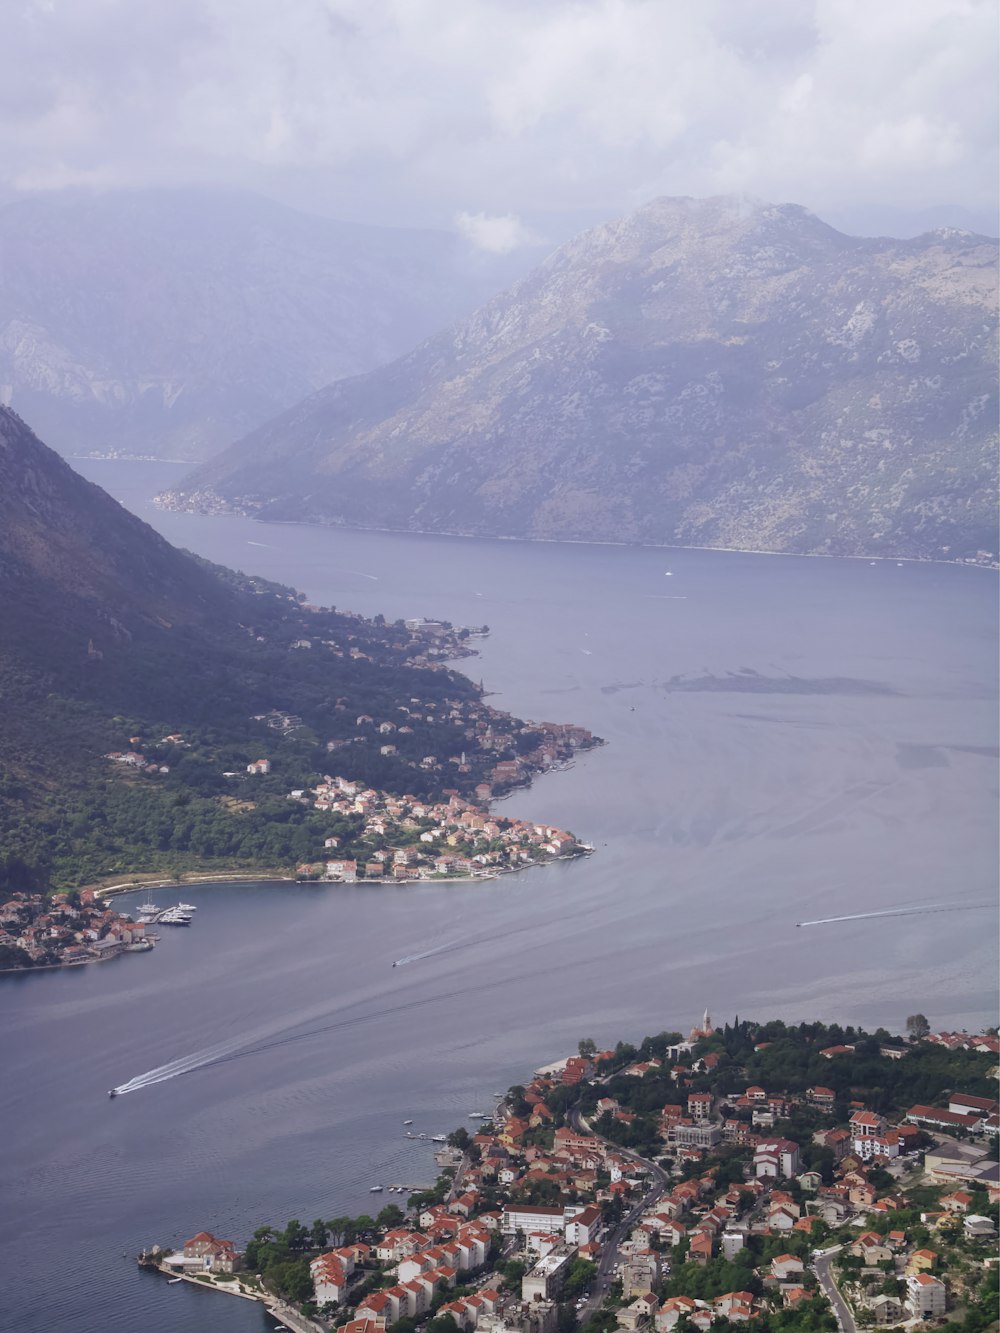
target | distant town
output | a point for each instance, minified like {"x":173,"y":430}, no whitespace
{"x":763,"y":1175}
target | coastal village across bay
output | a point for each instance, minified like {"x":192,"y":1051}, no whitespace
{"x":764,"y":1176}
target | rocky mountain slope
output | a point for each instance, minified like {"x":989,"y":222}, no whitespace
{"x":701,"y":372}
{"x":170,"y":322}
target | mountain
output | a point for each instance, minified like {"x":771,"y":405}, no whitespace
{"x":701,"y":372}
{"x":137,"y":682}
{"x":170,"y":322}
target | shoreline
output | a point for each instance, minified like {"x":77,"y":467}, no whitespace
{"x":276,"y":1308}
{"x":108,"y":892}
{"x":234,"y":512}
{"x":104,"y":891}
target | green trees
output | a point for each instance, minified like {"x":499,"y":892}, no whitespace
{"x":578,"y":1279}
{"x":917,"y":1027}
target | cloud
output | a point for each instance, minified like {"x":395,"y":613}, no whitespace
{"x":496,"y":235}
{"x":494,"y":110}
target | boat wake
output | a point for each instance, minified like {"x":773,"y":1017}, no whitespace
{"x":427,"y":953}
{"x":895,"y":911}
{"x":295,"y":1030}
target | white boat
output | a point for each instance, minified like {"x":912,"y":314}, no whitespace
{"x":438,"y":1138}
{"x":476,"y":1115}
{"x":173,"y":916}
{"x":407,"y":1122}
{"x":186,"y":907}
{"x":375,"y":1189}
{"x":172,"y":1280}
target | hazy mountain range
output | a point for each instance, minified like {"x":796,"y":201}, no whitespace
{"x":700,"y":372}
{"x":170,"y":322}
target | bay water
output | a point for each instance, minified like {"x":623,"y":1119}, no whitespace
{"x":789,"y":739}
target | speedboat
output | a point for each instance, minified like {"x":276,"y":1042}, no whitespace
{"x":407,"y":1122}
{"x":438,"y":1138}
{"x":172,"y":1280}
{"x":375,"y":1189}
{"x":112,"y":1092}
{"x":186,"y":907}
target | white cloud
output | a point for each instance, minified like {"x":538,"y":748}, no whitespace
{"x":421,"y":109}
{"x":496,"y":235}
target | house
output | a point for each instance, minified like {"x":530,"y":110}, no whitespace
{"x":871,"y":1248}
{"x":977,"y":1227}
{"x":219,"y":1256}
{"x":581,"y":1229}
{"x":526,"y":1217}
{"x":776,"y":1158}
{"x":669,"y":1315}
{"x":699,"y":1106}
{"x":701,"y":1247}
{"x":782,"y":1218}
{"x":839,"y":1141}
{"x":921,"y":1261}
{"x":259,"y":766}
{"x":787,"y":1266}
{"x":820,"y":1096}
{"x":887,"y":1310}
{"x":926,"y":1296}
{"x":957,"y":1202}
{"x":330,"y":1274}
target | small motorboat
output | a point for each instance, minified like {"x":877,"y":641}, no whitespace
{"x":407,"y":1122}
{"x":172,"y":1280}
{"x":375,"y":1189}
{"x":112,"y":1092}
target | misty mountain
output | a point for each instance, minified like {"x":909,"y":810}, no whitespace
{"x":700,"y":372}
{"x":170,"y":322}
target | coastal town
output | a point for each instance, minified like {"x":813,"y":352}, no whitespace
{"x":751,"y":1175}
{"x":64,"y":930}
{"x":406,"y":839}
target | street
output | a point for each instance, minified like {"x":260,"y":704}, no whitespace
{"x":823,"y":1269}
{"x":609,"y":1254}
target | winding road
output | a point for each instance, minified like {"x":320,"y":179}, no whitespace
{"x":612,"y":1243}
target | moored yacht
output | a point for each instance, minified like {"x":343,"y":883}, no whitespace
{"x":173,"y":916}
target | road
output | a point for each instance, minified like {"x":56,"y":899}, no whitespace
{"x":612,"y":1242}
{"x":823,"y":1269}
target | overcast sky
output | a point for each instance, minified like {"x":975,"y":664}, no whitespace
{"x":489,"y":115}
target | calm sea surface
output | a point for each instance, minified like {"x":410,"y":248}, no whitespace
{"x":834,"y":753}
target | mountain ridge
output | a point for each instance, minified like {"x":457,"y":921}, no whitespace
{"x":701,"y":372}
{"x":171,"y":321}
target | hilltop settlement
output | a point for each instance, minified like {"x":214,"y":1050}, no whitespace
{"x":763,"y":1176}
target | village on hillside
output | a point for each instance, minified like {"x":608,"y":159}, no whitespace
{"x":712,"y":1182}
